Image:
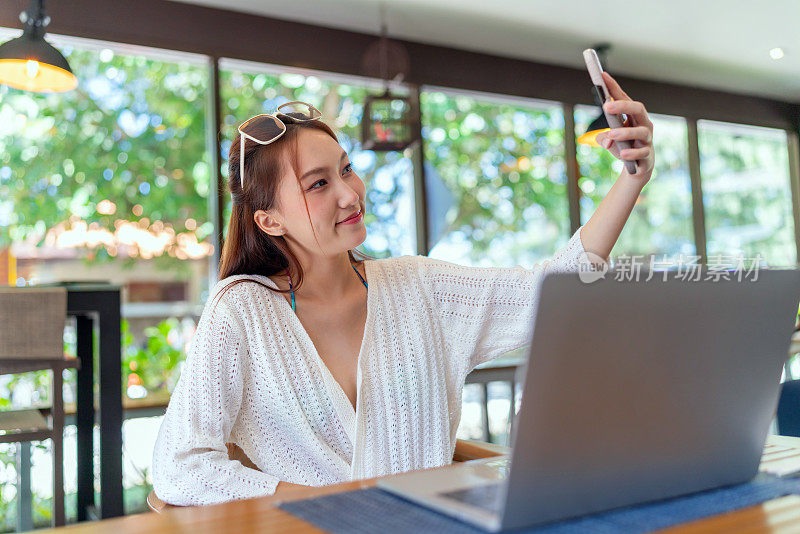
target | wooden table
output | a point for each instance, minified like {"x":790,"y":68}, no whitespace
{"x":260,"y":515}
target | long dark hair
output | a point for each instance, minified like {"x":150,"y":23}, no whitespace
{"x":247,"y":248}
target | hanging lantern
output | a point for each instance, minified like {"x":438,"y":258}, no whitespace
{"x":387,"y":123}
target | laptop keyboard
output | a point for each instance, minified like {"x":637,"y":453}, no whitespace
{"x":486,"y":497}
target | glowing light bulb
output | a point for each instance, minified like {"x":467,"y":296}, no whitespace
{"x":32,"y":68}
{"x":776,"y":53}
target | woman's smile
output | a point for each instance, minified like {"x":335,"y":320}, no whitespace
{"x":353,"y":219}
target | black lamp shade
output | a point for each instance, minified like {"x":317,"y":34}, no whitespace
{"x":600,"y":124}
{"x":30,"y":63}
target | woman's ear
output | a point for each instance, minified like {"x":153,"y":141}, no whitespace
{"x":269,"y":222}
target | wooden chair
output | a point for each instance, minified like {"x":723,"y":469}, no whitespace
{"x":465,"y":450}
{"x":31,"y":339}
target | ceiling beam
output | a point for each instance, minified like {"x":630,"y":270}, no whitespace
{"x":221,"y":33}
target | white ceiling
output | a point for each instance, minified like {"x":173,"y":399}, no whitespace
{"x":708,"y":43}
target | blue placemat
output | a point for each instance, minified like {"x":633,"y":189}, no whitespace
{"x":374,"y":510}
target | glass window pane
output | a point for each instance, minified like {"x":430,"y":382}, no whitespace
{"x":248,"y":89}
{"x":746,"y":192}
{"x":661,"y":221}
{"x":114,"y":172}
{"x":110,"y":182}
{"x":496,"y":179}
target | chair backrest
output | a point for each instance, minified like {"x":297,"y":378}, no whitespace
{"x":32,"y":322}
{"x":789,"y":409}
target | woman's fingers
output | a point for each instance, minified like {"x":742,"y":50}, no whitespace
{"x":602,"y":139}
{"x":632,"y":154}
{"x":640,"y":151}
{"x":606,"y":142}
{"x":623,"y":103}
{"x":631,"y":108}
{"x":634,"y":133}
{"x":637,"y":129}
{"x":628,"y":107}
{"x":613,"y":87}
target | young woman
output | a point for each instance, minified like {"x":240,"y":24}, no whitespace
{"x":311,"y":367}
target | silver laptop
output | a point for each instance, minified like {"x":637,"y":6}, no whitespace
{"x":634,"y":391}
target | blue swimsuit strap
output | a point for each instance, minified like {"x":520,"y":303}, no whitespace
{"x":292,"y":291}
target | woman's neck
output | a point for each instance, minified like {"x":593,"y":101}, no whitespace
{"x":326,"y":278}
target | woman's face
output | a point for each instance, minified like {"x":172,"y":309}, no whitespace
{"x":333,"y":192}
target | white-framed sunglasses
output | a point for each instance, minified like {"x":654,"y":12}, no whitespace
{"x":275,"y":124}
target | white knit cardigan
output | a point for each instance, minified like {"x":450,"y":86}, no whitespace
{"x":253,"y":377}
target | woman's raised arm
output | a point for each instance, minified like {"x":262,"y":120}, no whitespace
{"x":602,"y":230}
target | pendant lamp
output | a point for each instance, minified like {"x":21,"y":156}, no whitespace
{"x":600,"y":124}
{"x":32,"y":64}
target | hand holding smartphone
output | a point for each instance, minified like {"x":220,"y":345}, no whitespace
{"x":614,"y":121}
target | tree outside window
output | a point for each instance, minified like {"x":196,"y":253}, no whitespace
{"x":496,"y":178}
{"x":746,"y":192}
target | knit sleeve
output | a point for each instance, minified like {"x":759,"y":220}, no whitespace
{"x":484,"y":312}
{"x":190,"y":459}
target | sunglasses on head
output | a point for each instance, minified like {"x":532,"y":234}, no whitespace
{"x":274,"y":124}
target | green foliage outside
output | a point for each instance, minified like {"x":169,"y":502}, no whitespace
{"x":133,"y":132}
{"x":41,"y":507}
{"x":154,"y":362}
{"x":746,"y":192}
{"x":504,"y":166}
